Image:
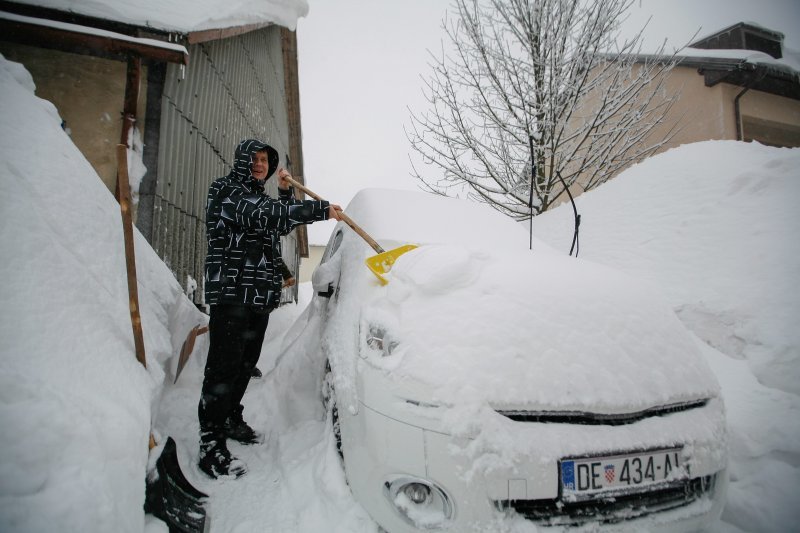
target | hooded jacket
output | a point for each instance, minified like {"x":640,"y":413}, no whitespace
{"x":243,"y":229}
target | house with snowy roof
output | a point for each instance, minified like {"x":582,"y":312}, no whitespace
{"x":738,"y":83}
{"x":180,"y":83}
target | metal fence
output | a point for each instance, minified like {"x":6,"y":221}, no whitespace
{"x":233,"y":89}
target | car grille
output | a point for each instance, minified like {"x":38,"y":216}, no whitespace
{"x":611,"y":509}
{"x":576,"y":417}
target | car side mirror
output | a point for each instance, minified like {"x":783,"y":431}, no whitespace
{"x":325,"y":277}
{"x":328,"y":293}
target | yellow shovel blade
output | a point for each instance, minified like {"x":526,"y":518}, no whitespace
{"x":382,"y":263}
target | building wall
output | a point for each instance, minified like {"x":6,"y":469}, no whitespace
{"x":232,"y":89}
{"x":701,"y":113}
{"x":88,"y":93}
{"x":312,"y":262}
{"x":708,"y":113}
{"x":770,"y":119}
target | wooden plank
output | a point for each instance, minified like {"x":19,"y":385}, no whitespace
{"x":45,"y":36}
{"x":223,"y":33}
{"x":130,"y":257}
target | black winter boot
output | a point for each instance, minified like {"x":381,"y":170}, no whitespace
{"x":216,"y":460}
{"x":239,"y":430}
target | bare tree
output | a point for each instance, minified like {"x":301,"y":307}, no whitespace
{"x":537,"y":87}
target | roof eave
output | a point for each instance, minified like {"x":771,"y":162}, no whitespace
{"x":202,"y":36}
{"x":769,"y":78}
{"x":70,"y":37}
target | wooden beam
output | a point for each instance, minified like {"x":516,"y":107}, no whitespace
{"x":223,"y":33}
{"x":292,"y":91}
{"x":130,"y":256}
{"x":84,"y":40}
{"x":132,"y":84}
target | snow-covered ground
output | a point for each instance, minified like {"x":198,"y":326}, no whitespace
{"x":712,"y":223}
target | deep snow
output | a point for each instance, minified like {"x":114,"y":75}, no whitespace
{"x":710,"y":223}
{"x":715,"y":224}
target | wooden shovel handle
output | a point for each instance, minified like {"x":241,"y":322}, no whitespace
{"x":346,"y":219}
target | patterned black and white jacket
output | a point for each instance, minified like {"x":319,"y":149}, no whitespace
{"x":243,"y":230}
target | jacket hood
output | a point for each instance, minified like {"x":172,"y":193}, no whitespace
{"x":243,"y":157}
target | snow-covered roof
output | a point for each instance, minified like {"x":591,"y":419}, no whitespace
{"x":144,"y":46}
{"x":751,"y":25}
{"x":746,"y":68}
{"x":789,"y":64}
{"x":184,"y":16}
{"x":729,"y":55}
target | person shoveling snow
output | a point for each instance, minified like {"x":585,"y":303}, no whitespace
{"x":243,"y":285}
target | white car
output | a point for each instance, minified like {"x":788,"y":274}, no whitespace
{"x":488,"y":385}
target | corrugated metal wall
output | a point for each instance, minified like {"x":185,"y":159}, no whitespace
{"x":233,"y":89}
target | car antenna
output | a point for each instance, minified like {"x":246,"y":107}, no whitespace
{"x":530,"y":195}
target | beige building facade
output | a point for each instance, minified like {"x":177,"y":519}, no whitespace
{"x":88,"y":92}
{"x":731,"y":88}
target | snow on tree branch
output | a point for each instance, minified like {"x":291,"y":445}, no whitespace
{"x":553,"y":70}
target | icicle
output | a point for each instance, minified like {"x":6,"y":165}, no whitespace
{"x":183,"y":73}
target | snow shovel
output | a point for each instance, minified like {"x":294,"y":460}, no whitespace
{"x":380,"y":264}
{"x":170,"y":497}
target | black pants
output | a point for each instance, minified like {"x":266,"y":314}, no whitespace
{"x":237,"y":333}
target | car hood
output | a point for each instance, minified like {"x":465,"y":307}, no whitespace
{"x":530,"y":332}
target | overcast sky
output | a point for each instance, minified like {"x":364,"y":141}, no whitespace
{"x":360,"y":64}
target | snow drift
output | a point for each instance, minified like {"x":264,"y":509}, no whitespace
{"x":75,"y":404}
{"x":715,"y":224}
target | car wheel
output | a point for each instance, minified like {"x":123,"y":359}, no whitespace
{"x":329,"y":402}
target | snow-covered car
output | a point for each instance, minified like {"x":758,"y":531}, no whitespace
{"x":488,"y":384}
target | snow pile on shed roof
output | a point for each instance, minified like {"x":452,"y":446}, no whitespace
{"x":184,"y":16}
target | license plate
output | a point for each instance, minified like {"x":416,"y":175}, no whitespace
{"x":589,"y":476}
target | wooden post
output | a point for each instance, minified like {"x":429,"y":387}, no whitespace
{"x":132,"y":83}
{"x":130,"y":257}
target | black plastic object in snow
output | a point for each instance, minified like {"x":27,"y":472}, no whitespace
{"x":172,"y":498}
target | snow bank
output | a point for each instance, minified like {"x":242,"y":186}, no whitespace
{"x":75,"y":404}
{"x":715,"y":224}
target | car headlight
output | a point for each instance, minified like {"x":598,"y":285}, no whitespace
{"x":420,"y":502}
{"x":377,"y":339}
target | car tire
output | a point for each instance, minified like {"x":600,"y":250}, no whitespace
{"x":331,"y":409}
